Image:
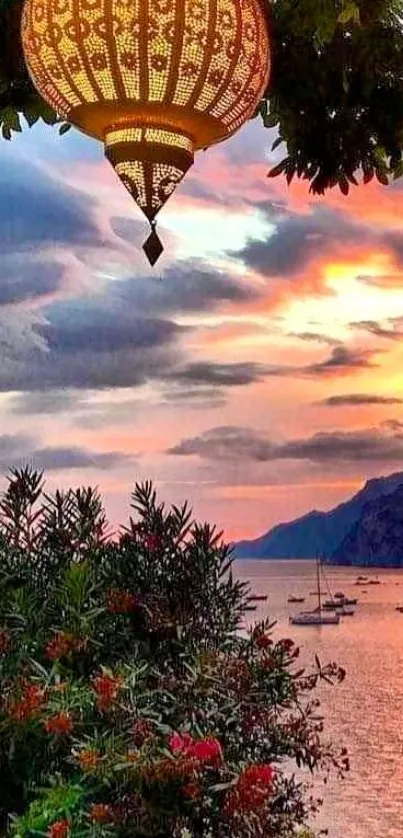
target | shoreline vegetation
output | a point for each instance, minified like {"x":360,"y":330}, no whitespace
{"x":131,"y":705}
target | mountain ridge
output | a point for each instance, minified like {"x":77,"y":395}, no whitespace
{"x":318,"y":532}
{"x":376,"y":539}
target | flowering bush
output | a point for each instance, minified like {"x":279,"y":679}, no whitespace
{"x":131,"y":703}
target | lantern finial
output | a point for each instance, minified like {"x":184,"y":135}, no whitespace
{"x":153,"y":246}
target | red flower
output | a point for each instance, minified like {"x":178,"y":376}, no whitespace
{"x":101,"y":813}
{"x":203,"y":750}
{"x":152,"y":542}
{"x":29,"y":705}
{"x":59,"y":829}
{"x":106,"y":688}
{"x":142,"y":730}
{"x":263,"y":641}
{"x":62,"y":645}
{"x":59,"y":724}
{"x":286,"y":644}
{"x":263,"y":774}
{"x":88,"y":760}
{"x":121,"y":602}
{"x":192,"y":791}
{"x":251,"y":791}
{"x":206,"y":750}
{"x":269,"y":663}
{"x":4,"y":642}
{"x":180,"y":744}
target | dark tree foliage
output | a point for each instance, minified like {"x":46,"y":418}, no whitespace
{"x":335,"y":94}
{"x":131,"y":703}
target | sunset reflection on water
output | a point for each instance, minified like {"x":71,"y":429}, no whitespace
{"x":365,"y":712}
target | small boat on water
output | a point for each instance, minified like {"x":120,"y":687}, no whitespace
{"x":362,"y":580}
{"x":316,"y":617}
{"x":345,"y":611}
{"x":341,"y":599}
{"x":296,"y":599}
{"x":374,"y":581}
{"x":342,"y":609}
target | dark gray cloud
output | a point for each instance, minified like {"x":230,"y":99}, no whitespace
{"x":297,"y":239}
{"x":342,"y":360}
{"x":227,"y":443}
{"x":61,"y":459}
{"x":392,"y":332}
{"x":233,"y":443}
{"x":23,"y":277}
{"x":36,"y":210}
{"x":43,"y":402}
{"x":105,"y":328}
{"x":356,"y":399}
{"x":19,"y":450}
{"x":12,"y":445}
{"x":127,"y":228}
{"x":224,"y":375}
{"x":314,"y":337}
{"x":85,"y":344}
{"x":199,"y":397}
{"x":188,"y":286}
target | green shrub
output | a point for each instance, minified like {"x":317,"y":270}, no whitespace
{"x":131,"y":703}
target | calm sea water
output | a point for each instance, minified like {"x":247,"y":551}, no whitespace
{"x":365,"y":713}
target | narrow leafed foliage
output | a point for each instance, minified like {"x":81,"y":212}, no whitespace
{"x":134,"y":702}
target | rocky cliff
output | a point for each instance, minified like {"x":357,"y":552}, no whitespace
{"x":376,"y":539}
{"x":318,"y":532}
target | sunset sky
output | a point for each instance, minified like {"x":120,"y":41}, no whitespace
{"x":256,"y":371}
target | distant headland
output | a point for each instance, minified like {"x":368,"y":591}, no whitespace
{"x":366,"y":530}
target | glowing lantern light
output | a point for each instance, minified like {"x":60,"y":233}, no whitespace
{"x":155,"y":80}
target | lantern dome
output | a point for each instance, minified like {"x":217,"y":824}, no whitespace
{"x":155,"y":80}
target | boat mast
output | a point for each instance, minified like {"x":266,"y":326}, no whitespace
{"x":318,"y":581}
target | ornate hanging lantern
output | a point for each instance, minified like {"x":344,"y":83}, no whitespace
{"x":155,"y":80}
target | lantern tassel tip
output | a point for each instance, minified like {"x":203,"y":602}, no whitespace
{"x":153,"y":247}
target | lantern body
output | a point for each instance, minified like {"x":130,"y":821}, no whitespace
{"x":161,"y":78}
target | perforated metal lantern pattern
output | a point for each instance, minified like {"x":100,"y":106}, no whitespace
{"x":155,"y":80}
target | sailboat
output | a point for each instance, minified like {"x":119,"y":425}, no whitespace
{"x":318,"y":617}
{"x":339,"y":600}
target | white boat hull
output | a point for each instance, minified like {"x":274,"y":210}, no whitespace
{"x":315,"y":619}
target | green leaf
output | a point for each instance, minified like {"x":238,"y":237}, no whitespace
{"x":382,"y":177}
{"x":277,"y":170}
{"x":271,"y":120}
{"x":349,"y":13}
